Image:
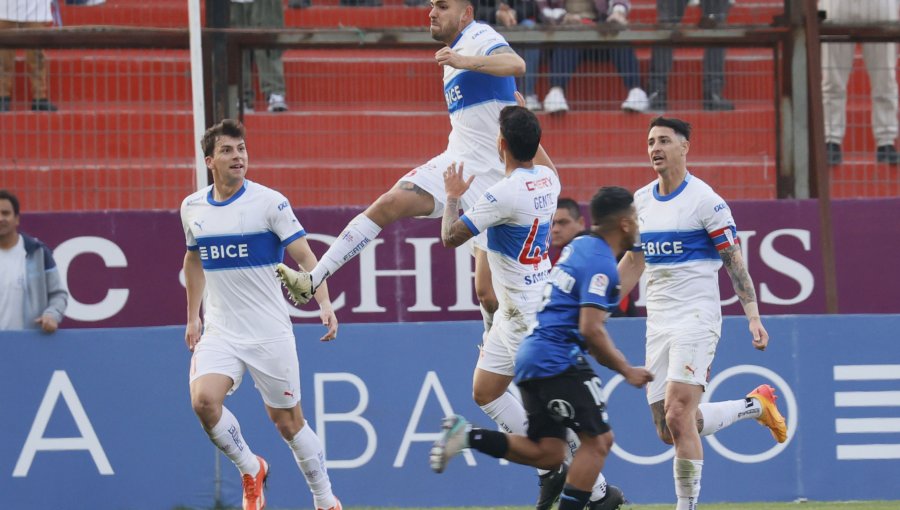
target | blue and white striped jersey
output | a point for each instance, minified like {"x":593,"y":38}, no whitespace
{"x":517,"y":212}
{"x":681,"y":235}
{"x":474,"y":101}
{"x":240,"y":241}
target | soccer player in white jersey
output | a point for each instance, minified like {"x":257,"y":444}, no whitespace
{"x":237,"y":232}
{"x":479,"y":70}
{"x":560,"y":390}
{"x":516,"y":214}
{"x":687,"y":234}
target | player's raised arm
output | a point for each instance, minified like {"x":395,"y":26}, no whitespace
{"x":503,"y":61}
{"x":592,"y":326}
{"x":194,"y":284}
{"x":300,"y":251}
{"x":454,"y":232}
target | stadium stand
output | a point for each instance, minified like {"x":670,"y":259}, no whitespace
{"x":361,"y":118}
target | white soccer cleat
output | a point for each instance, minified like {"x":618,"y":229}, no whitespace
{"x":297,"y":283}
{"x":555,"y":101}
{"x":637,"y":101}
{"x":454,"y":439}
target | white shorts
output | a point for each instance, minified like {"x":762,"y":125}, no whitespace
{"x":430,"y":177}
{"x":683,"y":356}
{"x":511,"y":325}
{"x":272,"y":364}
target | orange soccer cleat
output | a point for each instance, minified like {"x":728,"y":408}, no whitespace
{"x":770,"y":417}
{"x":255,"y":487}
{"x":337,"y":505}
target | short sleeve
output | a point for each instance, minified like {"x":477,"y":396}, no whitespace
{"x":488,"y":40}
{"x":282,"y":221}
{"x":492,"y":208}
{"x":598,"y":285}
{"x":189,"y":240}
{"x":715,"y":215}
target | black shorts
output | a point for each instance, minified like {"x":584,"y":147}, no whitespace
{"x":572,"y":400}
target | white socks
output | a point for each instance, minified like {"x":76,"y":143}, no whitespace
{"x":718,"y":415}
{"x":226,"y":435}
{"x":356,"y":236}
{"x":687,"y":475}
{"x":311,"y":459}
{"x":599,"y":490}
{"x":508,"y":413}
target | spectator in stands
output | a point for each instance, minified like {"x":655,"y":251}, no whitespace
{"x":516,"y":13}
{"x":714,"y":12}
{"x":31,"y":292}
{"x":881,"y":64}
{"x":568,"y":223}
{"x":564,"y":61}
{"x":25,"y":14}
{"x":269,"y":65}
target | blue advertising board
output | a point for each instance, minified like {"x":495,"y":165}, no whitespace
{"x":101,"y":419}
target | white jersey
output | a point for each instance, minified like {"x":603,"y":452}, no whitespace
{"x":474,"y":101}
{"x":681,"y":235}
{"x":240,"y":241}
{"x":517,"y":213}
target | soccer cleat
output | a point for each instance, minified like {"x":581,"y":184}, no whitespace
{"x":297,"y":283}
{"x":614,"y":500}
{"x":552,"y":485}
{"x":255,"y":487}
{"x":454,"y":439}
{"x":337,"y":505}
{"x":770,"y":416}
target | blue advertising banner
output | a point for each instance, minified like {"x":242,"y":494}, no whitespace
{"x":101,"y":419}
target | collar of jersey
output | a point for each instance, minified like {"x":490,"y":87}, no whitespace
{"x":232,"y":198}
{"x":470,"y":25}
{"x":670,"y":196}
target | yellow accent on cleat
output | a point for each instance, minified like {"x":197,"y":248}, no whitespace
{"x":770,"y":417}
{"x":297,"y":283}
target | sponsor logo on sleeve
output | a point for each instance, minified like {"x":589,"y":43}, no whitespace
{"x":599,"y":284}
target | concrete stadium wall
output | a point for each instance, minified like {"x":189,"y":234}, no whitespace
{"x":101,"y":419}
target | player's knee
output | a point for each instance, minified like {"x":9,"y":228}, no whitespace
{"x":396,"y":204}
{"x":288,"y":426}
{"x":483,"y":397}
{"x":678,"y":422}
{"x":208,"y":409}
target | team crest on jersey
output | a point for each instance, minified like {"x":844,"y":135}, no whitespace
{"x":599,"y":284}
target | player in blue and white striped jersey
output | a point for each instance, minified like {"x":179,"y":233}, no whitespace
{"x":560,"y":390}
{"x":479,"y":70}
{"x":237,"y":232}
{"x":687,"y":234}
